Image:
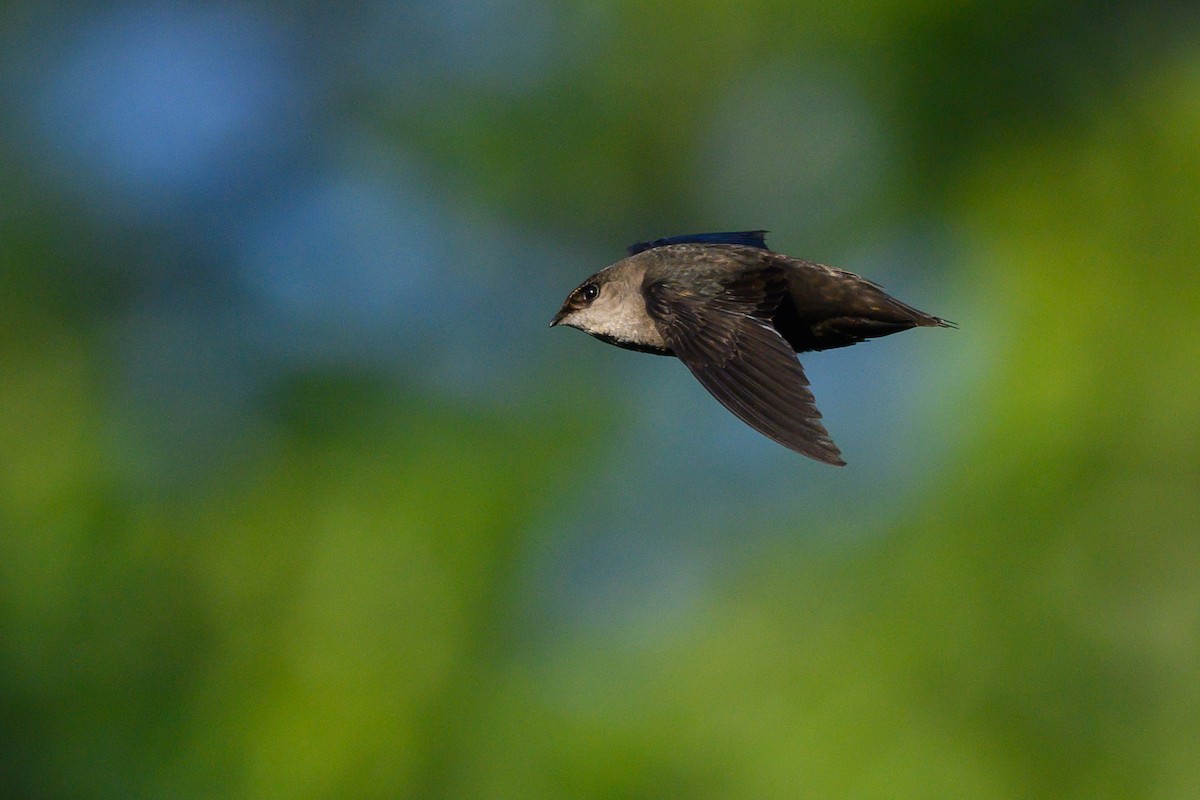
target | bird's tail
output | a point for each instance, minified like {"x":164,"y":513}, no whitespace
{"x":833,"y":308}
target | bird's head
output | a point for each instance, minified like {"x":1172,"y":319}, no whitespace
{"x":590,"y":307}
{"x":610,"y":306}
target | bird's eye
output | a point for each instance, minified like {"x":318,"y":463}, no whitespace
{"x":589,"y":292}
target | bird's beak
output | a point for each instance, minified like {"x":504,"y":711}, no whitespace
{"x":562,"y":312}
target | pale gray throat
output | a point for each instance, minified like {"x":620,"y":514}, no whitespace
{"x":622,"y":317}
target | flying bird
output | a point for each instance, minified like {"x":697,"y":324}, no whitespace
{"x":736,"y":314}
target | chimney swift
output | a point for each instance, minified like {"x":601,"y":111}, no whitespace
{"x":736,"y":314}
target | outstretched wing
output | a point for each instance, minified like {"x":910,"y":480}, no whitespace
{"x":727,"y":341}
{"x":744,"y":238}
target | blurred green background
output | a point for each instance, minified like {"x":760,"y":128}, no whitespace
{"x":300,"y":499}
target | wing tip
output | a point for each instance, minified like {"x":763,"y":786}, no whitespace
{"x":826,"y":452}
{"x":814,"y":443}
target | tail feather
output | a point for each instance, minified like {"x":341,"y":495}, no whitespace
{"x":830,"y":308}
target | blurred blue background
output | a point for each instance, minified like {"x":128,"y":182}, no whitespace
{"x":300,"y":498}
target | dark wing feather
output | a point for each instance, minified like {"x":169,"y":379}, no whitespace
{"x":744,"y":238}
{"x":728,"y":343}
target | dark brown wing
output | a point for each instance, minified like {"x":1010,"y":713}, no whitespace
{"x":727,"y":341}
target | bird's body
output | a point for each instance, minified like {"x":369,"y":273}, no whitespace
{"x":737,"y":313}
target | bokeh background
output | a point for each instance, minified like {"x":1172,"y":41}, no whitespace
{"x":299,"y":498}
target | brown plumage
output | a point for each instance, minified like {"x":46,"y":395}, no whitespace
{"x":736,"y":314}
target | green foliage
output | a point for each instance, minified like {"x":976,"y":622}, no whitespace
{"x":336,"y":605}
